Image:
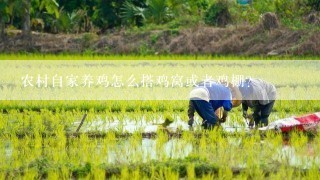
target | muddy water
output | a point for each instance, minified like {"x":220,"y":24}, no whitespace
{"x":129,"y":126}
{"x":179,"y":148}
{"x":148,"y":150}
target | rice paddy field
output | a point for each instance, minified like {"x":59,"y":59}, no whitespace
{"x":122,"y":136}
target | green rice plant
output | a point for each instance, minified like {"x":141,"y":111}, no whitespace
{"x":3,"y":175}
{"x":162,"y":138}
{"x":284,"y":172}
{"x":65,"y":173}
{"x":168,"y":173}
{"x":208,"y":176}
{"x":313,"y":173}
{"x":202,"y":151}
{"x":116,"y":108}
{"x":52,"y":174}
{"x":168,"y":119}
{"x":125,"y":173}
{"x":225,"y":173}
{"x":147,"y":108}
{"x":191,"y":172}
{"x":97,"y":173}
{"x":31,"y":174}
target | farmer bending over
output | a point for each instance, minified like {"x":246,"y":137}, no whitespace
{"x":260,"y":96}
{"x":209,"y":96}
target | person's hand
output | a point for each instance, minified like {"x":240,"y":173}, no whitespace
{"x":251,"y":120}
{"x":250,"y":117}
{"x":222,"y":120}
{"x":245,"y":114}
{"x":219,"y":112}
{"x":251,"y":123}
{"x":190,"y":122}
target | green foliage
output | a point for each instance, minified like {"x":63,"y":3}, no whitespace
{"x":42,"y":164}
{"x":4,"y":17}
{"x":197,"y":6}
{"x":314,"y":4}
{"x":168,"y":119}
{"x":106,"y":14}
{"x":187,"y":7}
{"x":216,"y":14}
{"x":145,"y":49}
{"x":263,"y":6}
{"x":74,"y":16}
{"x":88,"y":39}
{"x":154,"y":38}
{"x":158,"y":11}
{"x":290,"y":9}
{"x":4,"y":10}
{"x":50,"y":6}
{"x":66,"y":21}
{"x":82,"y":171}
{"x":241,"y":13}
{"x":132,"y":14}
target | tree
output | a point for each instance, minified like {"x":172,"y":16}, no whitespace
{"x":26,"y":30}
{"x":24,"y":8}
{"x":3,"y":17}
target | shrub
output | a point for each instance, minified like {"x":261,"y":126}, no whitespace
{"x":291,"y":8}
{"x":218,"y":14}
{"x":88,"y":39}
{"x":314,"y":4}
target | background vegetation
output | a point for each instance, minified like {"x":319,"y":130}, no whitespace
{"x":75,"y":16}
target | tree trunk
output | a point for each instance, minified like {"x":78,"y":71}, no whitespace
{"x":2,"y":28}
{"x":26,"y":30}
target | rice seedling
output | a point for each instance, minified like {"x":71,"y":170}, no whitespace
{"x":38,"y":139}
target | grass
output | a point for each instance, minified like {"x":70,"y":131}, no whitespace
{"x":35,"y":56}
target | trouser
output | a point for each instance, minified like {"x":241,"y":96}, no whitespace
{"x":261,"y":114}
{"x":205,"y":111}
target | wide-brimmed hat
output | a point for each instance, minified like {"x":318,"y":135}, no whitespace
{"x":200,"y":93}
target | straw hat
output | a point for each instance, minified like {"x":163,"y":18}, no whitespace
{"x":200,"y":93}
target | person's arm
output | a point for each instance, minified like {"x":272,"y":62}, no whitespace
{"x":191,"y":111}
{"x":224,"y":116}
{"x":227,"y":105}
{"x":236,"y":95}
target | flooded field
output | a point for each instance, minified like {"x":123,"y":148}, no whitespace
{"x":124,"y":133}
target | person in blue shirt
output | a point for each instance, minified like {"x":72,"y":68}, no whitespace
{"x":207,"y":97}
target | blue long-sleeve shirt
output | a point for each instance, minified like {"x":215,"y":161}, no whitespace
{"x":213,"y":96}
{"x":220,"y":95}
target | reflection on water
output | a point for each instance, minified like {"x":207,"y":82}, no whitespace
{"x":148,"y":150}
{"x":289,"y":155}
{"x":125,"y":151}
{"x":130,"y":150}
{"x":129,"y":126}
